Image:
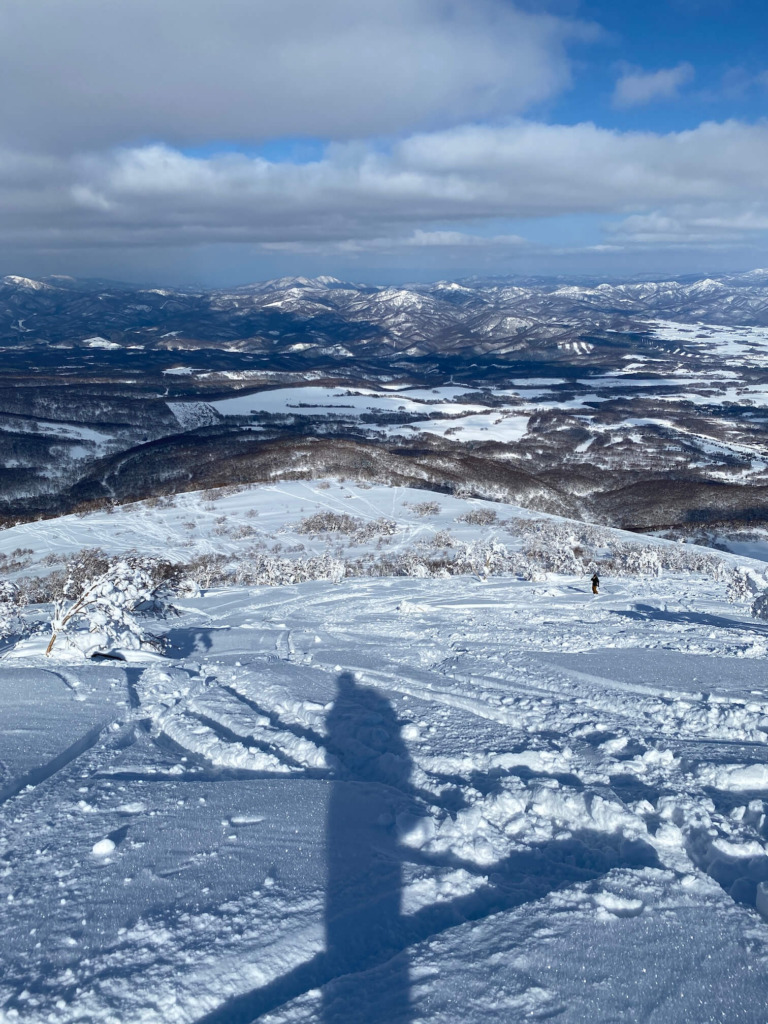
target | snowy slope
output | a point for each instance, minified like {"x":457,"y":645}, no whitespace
{"x":387,"y":800}
{"x":232,"y":520}
{"x":243,"y":521}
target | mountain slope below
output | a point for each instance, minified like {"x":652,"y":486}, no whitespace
{"x":388,"y":799}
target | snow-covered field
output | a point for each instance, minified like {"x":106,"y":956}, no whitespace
{"x":727,"y":359}
{"x":386,"y":800}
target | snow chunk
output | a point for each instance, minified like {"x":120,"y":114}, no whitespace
{"x":618,"y":906}
{"x":415,"y":830}
{"x":737,"y":778}
{"x":740,"y":850}
{"x":135,"y":807}
{"x":103,"y":848}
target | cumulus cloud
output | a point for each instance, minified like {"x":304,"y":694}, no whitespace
{"x":113,"y":112}
{"x":636,"y":87}
{"x":96,"y":73}
{"x":451,"y":188}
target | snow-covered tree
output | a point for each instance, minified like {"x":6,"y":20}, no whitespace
{"x":556,"y":556}
{"x":748,"y":585}
{"x":744,"y":585}
{"x":642,"y":561}
{"x":485,"y":558}
{"x":105,"y":606}
{"x":760,"y":606}
{"x":11,"y":623}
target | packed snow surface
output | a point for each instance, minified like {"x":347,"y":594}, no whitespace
{"x":388,"y":800}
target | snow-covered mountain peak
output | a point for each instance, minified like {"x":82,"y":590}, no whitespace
{"x":15,"y":281}
{"x":707,"y":286}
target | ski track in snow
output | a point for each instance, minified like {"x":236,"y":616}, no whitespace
{"x":395,"y":800}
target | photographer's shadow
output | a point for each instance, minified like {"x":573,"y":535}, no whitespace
{"x":363,"y":971}
{"x":363,"y":925}
{"x":363,"y":921}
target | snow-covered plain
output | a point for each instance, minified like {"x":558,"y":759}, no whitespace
{"x":727,"y":359}
{"x":386,"y":800}
{"x":449,"y":409}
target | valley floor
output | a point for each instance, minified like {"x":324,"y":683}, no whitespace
{"x":395,"y":800}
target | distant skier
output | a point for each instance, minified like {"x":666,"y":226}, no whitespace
{"x":595,"y":583}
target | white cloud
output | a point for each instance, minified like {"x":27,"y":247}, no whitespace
{"x":453,"y":188}
{"x":435,"y":90}
{"x":712,"y":225}
{"x":461,"y":239}
{"x":636,"y":87}
{"x":418,"y":239}
{"x":96,"y":73}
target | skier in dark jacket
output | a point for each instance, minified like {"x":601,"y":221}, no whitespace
{"x":595,"y":583}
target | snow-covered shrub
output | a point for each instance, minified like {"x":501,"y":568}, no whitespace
{"x":208,"y":570}
{"x":86,"y":565}
{"x":106,"y":605}
{"x":574,"y":548}
{"x":262,"y":570}
{"x":242,"y":532}
{"x":685,"y":558}
{"x":747,"y":585}
{"x":555,"y":548}
{"x":481,"y":557}
{"x":426,"y":508}
{"x":11,"y":602}
{"x":329,"y":522}
{"x":53,"y":558}
{"x":359,"y":531}
{"x":559,"y":558}
{"x":478,"y":517}
{"x":642,"y":561}
{"x":484,"y":558}
{"x":16,"y":561}
{"x":38,"y":589}
{"x":744,"y":585}
{"x":374,"y":529}
{"x":419,"y":564}
{"x":273,"y":572}
{"x":441,"y":556}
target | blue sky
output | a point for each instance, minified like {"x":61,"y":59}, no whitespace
{"x":221,"y":141}
{"x":725,"y":42}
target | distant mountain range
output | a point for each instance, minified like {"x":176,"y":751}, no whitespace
{"x":323,"y":317}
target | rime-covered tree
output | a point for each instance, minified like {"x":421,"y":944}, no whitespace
{"x":11,"y":601}
{"x":748,"y":585}
{"x":108,"y":603}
